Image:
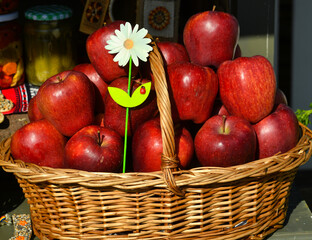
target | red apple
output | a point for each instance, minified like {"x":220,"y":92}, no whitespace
{"x":100,"y":84}
{"x":94,"y":149}
{"x":33,"y":110}
{"x":115,"y":115}
{"x":211,"y":37}
{"x":247,"y":87}
{"x":193,"y":90}
{"x":40,"y":143}
{"x":99,"y":56}
{"x":225,"y":141}
{"x":67,"y":101}
{"x":280,"y":97}
{"x":173,"y":52}
{"x":147,"y":147}
{"x":278,"y":132}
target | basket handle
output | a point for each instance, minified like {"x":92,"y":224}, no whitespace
{"x":169,"y":159}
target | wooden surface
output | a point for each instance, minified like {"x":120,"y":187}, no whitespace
{"x":11,"y":123}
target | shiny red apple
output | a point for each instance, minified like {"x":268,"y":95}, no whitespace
{"x":211,"y":37}
{"x":95,"y":149}
{"x":278,"y":132}
{"x":115,"y":115}
{"x":247,"y":87}
{"x":33,"y":110}
{"x":280,"y":97}
{"x":173,"y":52}
{"x":40,"y":143}
{"x":193,"y":90}
{"x":100,"y":84}
{"x":225,"y":141}
{"x":147,"y":147}
{"x":99,"y":56}
{"x":67,"y":101}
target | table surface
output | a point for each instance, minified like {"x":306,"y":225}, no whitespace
{"x":11,"y":123}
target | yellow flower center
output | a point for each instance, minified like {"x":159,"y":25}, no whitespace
{"x":128,"y":44}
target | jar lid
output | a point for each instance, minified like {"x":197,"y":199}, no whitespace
{"x":8,"y":17}
{"x":48,"y":12}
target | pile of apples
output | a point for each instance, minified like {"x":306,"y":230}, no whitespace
{"x":226,"y":109}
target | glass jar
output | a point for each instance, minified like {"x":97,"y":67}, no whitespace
{"x":48,"y":42}
{"x":11,"y":61}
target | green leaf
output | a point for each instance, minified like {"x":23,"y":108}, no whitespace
{"x":119,"y":96}
{"x":304,"y":115}
{"x":123,"y":99}
{"x":137,"y":97}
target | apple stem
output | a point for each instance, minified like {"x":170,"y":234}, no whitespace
{"x":223,"y":123}
{"x":100,"y":139}
{"x":214,"y":8}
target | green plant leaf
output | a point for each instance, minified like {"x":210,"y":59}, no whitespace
{"x":304,"y":115}
{"x":123,"y":99}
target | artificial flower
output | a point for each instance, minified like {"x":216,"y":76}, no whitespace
{"x":129,"y":43}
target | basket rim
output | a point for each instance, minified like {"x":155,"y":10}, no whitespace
{"x":134,"y":180}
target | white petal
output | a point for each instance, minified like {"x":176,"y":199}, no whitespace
{"x":141,"y":33}
{"x":115,"y":39}
{"x":141,"y":53}
{"x":122,"y":28}
{"x":143,"y":41}
{"x":120,"y":36}
{"x":144,"y":46}
{"x":129,"y":30}
{"x":111,"y":44}
{"x":115,"y":50}
{"x":119,"y":56}
{"x":125,"y":59}
{"x":143,"y":57}
{"x":122,"y":57}
{"x":134,"y":58}
{"x":108,"y":47}
{"x":134,"y":31}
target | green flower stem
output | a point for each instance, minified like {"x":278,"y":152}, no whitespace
{"x":127,"y":119}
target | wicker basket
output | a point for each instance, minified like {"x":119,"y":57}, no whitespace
{"x":247,"y":201}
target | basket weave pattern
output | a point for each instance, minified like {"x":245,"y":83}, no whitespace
{"x":247,"y":201}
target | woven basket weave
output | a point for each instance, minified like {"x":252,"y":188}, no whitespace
{"x":247,"y":201}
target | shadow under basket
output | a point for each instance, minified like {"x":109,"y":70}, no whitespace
{"x":246,"y":201}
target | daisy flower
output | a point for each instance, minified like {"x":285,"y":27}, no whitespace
{"x":129,"y":43}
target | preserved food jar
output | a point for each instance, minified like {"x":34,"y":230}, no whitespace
{"x":48,"y":42}
{"x":11,"y":61}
